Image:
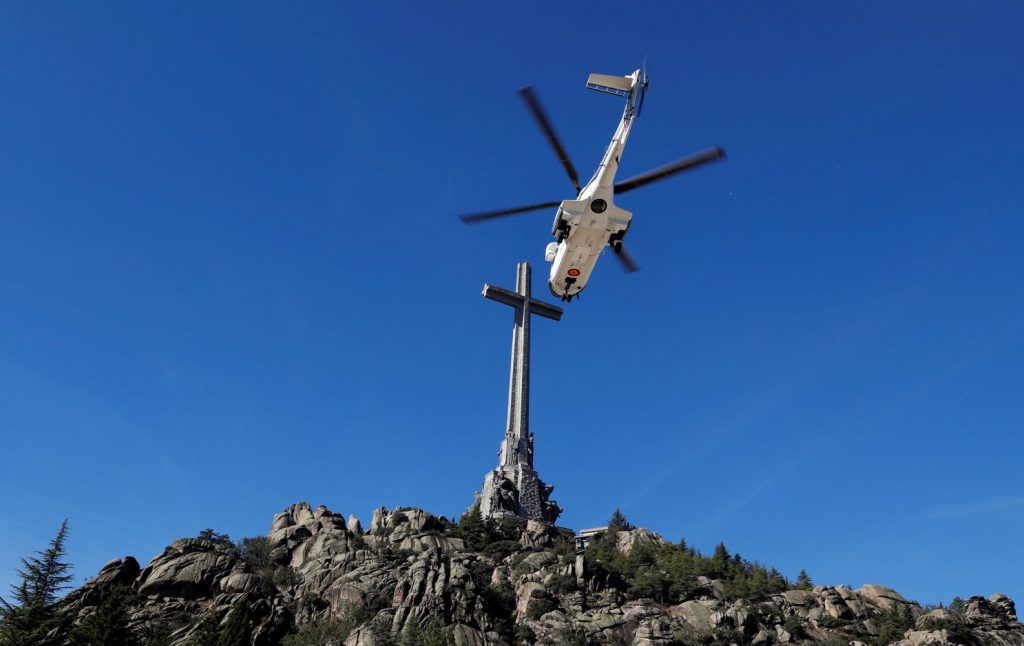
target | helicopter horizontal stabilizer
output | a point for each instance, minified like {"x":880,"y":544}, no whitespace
{"x":617,"y":85}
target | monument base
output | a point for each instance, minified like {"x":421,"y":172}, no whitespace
{"x":517,"y":492}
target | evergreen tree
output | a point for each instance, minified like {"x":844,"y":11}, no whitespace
{"x":32,"y":618}
{"x":433,"y":634}
{"x":317,"y":633}
{"x":156,"y":633}
{"x":474,"y":529}
{"x":720,"y":562}
{"x":893,"y":623}
{"x":803,"y":581}
{"x":216,"y":537}
{"x":236,"y":630}
{"x":255,"y":551}
{"x":737,"y":568}
{"x":206,"y":631}
{"x":108,"y":624}
{"x":618,"y":522}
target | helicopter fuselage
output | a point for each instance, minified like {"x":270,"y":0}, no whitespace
{"x":591,"y":221}
{"x":583,"y":227}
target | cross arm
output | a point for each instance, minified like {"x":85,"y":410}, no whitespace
{"x":546,"y":310}
{"x":507,"y":297}
{"x":502,"y":295}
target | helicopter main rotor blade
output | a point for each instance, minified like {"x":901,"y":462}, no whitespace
{"x":627,"y":261}
{"x":678,"y":166}
{"x":483,"y":216}
{"x":541,"y":117}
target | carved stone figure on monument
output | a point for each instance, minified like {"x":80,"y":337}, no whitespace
{"x":506,"y":496}
{"x":551,"y":511}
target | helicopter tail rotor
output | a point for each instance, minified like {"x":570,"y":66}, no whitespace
{"x":643,"y":84}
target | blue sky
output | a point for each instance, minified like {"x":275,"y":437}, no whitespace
{"x":231,"y":275}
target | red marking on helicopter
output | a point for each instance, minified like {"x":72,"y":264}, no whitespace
{"x":573,"y":272}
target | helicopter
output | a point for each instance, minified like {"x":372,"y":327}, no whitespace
{"x":584,"y":226}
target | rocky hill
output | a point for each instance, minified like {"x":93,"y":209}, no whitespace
{"x":414,"y":578}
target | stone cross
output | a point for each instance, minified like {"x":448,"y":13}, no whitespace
{"x":517,"y":448}
{"x":513,"y":489}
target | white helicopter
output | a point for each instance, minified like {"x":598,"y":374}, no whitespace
{"x":583,"y":226}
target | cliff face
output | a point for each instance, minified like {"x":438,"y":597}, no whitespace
{"x":412,"y":578}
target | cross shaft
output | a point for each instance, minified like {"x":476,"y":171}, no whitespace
{"x":517,"y":448}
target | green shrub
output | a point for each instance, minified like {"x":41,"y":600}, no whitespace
{"x":562,"y":584}
{"x":498,"y":601}
{"x":155,"y":633}
{"x":725,"y":636}
{"x":434,"y":633}
{"x":690,"y":637}
{"x":572,"y":636}
{"x":565,"y":548}
{"x":795,"y":627}
{"x":540,"y":607}
{"x":317,"y":633}
{"x":499,"y":550}
{"x":668,"y":573}
{"x":959,"y":632}
{"x":283,"y":576}
{"x":525,"y":636}
{"x":828,"y":621}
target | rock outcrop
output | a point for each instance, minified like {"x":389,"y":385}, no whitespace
{"x":414,"y":572}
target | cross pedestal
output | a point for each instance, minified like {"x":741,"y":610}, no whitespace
{"x":514,"y":489}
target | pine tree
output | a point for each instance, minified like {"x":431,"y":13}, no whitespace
{"x":255,"y":551}
{"x":803,"y":581}
{"x":32,"y":618}
{"x":474,"y":529}
{"x":236,"y":629}
{"x":618,"y":522}
{"x":720,"y":561}
{"x":108,"y":624}
{"x":894,"y":623}
{"x":215,"y":537}
{"x":206,"y":631}
{"x":156,"y":633}
{"x":737,"y":568}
